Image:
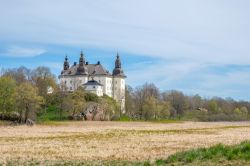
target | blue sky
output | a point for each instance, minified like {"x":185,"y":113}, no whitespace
{"x":198,"y":47}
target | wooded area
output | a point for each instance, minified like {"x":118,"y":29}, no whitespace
{"x":147,"y":102}
{"x":23,"y":96}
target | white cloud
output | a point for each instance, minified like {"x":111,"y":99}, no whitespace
{"x":16,"y":51}
{"x":204,"y":32}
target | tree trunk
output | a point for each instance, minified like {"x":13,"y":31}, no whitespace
{"x":26,"y":113}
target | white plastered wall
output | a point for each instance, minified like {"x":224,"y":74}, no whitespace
{"x":72,"y":83}
{"x":106,"y":81}
{"x":119,"y":91}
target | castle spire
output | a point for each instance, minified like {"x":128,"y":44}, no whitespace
{"x":118,"y":67}
{"x":118,"y":61}
{"x":82,"y":69}
{"x":66,"y":63}
{"x":81,"y":60}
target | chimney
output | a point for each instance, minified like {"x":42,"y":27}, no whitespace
{"x":98,"y":63}
{"x":75,"y":63}
{"x":87,"y":63}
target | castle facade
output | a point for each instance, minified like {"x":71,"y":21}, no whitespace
{"x":94,"y":78}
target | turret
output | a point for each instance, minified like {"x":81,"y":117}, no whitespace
{"x":82,"y":69}
{"x":66,"y":64}
{"x":119,"y":83}
{"x":118,"y":61}
{"x":118,"y":67}
{"x":81,"y":60}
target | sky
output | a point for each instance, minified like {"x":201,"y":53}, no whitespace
{"x":195,"y":46}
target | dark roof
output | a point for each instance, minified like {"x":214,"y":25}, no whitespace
{"x":118,"y":67}
{"x":92,"y":69}
{"x":118,"y":72}
{"x":93,"y":82}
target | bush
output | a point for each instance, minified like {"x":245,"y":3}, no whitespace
{"x":211,"y":117}
{"x":91,"y":97}
{"x":52,"y":113}
{"x":11,"y":116}
{"x":124,"y":118}
{"x":223,"y":117}
{"x":115,"y":118}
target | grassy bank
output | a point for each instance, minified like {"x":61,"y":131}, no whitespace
{"x":216,"y":155}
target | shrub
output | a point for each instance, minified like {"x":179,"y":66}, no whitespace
{"x":52,"y":113}
{"x":124,"y":118}
{"x":91,"y":97}
{"x":11,"y":116}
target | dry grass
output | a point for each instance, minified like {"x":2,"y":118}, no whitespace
{"x":134,"y":141}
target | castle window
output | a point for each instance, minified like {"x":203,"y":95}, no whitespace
{"x":93,"y":87}
{"x":71,"y":81}
{"x":70,"y":88}
{"x":65,"y":82}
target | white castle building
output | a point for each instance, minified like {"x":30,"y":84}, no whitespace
{"x":95,"y":79}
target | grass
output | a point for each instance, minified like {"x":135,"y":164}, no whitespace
{"x":128,"y":119}
{"x":51,"y":114}
{"x":216,"y":154}
{"x":206,"y":130}
{"x":54,"y":123}
{"x":4,"y":123}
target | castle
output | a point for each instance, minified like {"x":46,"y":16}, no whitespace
{"x":94,"y":78}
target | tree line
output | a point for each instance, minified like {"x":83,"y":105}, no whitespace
{"x":24,"y":95}
{"x":146,"y":102}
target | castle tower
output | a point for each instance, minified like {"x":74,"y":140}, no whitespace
{"x":82,"y":69}
{"x":119,"y":83}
